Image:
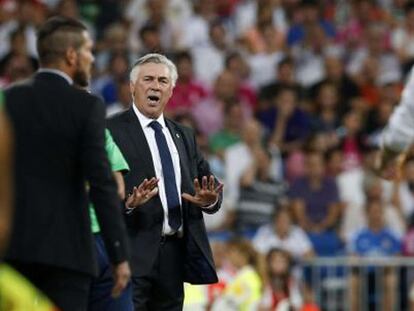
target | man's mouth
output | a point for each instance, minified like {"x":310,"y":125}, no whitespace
{"x":153,"y":99}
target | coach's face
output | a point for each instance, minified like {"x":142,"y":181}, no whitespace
{"x":152,"y":89}
{"x":84,"y":62}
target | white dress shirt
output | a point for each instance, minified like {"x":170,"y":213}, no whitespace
{"x":152,"y":143}
{"x":399,"y":134}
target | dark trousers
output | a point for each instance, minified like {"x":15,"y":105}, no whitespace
{"x":100,"y":298}
{"x":66,"y":288}
{"x":163,"y":288}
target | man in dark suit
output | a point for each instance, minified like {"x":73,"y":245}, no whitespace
{"x":168,"y":237}
{"x":59,"y":146}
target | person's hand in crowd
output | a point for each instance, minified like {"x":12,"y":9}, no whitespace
{"x":205,"y":194}
{"x":122,"y":274}
{"x":143,"y":193}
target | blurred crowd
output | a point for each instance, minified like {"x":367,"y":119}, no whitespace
{"x":288,"y":99}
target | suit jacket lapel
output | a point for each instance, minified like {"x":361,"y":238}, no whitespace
{"x":137,"y":136}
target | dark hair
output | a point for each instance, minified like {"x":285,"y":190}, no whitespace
{"x":283,"y":280}
{"x":56,"y":35}
{"x":146,"y":29}
{"x":285,"y":61}
{"x":230,"y":56}
{"x":183,"y":55}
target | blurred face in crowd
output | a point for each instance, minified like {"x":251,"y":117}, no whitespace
{"x":252,"y":132}
{"x":85,"y":59}
{"x":286,"y":73}
{"x":334,"y":68}
{"x":68,"y":8}
{"x":374,"y":189}
{"x":310,"y":13}
{"x":282,"y":223}
{"x":238,"y":67}
{"x":375,"y":213}
{"x":352,"y":122}
{"x":315,"y":166}
{"x":185,"y":69}
{"x":279,"y":263}
{"x":152,"y":89}
{"x":118,"y":65}
{"x":236,"y":257}
{"x":218,"y":36}
{"x":234,"y":117}
{"x":18,"y":68}
{"x":156,"y":9}
{"x":286,"y":102}
{"x":328,"y":96}
{"x":335,"y":163}
{"x":225,"y":86}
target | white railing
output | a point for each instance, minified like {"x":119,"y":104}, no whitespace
{"x":361,"y":283}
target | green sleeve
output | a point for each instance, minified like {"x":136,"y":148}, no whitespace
{"x":118,"y":164}
{"x":116,"y":159}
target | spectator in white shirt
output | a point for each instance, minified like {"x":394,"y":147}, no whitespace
{"x":282,"y":233}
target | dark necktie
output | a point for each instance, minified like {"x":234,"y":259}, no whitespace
{"x":173,"y":202}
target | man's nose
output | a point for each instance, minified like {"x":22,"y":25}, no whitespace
{"x":155,"y":84}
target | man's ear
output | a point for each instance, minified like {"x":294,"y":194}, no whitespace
{"x":71,"y":56}
{"x":132,"y":89}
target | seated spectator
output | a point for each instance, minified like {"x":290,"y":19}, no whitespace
{"x":284,"y":76}
{"x":326,"y":118}
{"x":351,"y":140}
{"x":244,"y":291}
{"x":187,"y":92}
{"x":375,"y":240}
{"x":309,"y":55}
{"x":282,"y":289}
{"x":237,"y":65}
{"x":230,"y":134}
{"x":402,"y":40}
{"x":106,"y":85}
{"x":18,"y":49}
{"x":309,"y":14}
{"x":316,"y":205}
{"x":315,"y":196}
{"x":257,"y":37}
{"x":209,"y":113}
{"x":287,"y":125}
{"x":244,"y":156}
{"x":209,"y":58}
{"x":354,"y":216}
{"x":283,"y":234}
{"x":123,"y":100}
{"x":336,"y":75}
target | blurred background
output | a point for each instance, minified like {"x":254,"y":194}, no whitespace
{"x":288,"y":99}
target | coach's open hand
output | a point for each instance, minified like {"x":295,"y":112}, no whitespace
{"x":206,"y":194}
{"x":143,"y":193}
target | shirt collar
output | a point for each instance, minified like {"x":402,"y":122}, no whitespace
{"x":145,"y":121}
{"x":57,"y":72}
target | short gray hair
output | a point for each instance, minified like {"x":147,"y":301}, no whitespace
{"x":156,"y":59}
